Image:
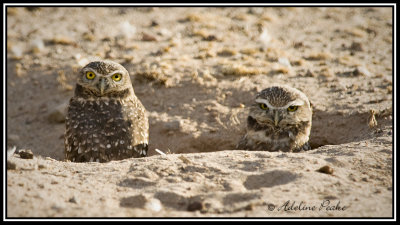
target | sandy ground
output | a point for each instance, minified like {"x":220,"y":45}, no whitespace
{"x":196,"y":70}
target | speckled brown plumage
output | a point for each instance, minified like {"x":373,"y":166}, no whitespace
{"x":107,"y":124}
{"x":277,"y":96}
{"x":273,"y":127}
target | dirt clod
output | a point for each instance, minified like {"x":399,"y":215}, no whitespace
{"x":325,"y":169}
{"x":72,"y":200}
{"x":356,"y":46}
{"x":195,"y":206}
{"x":148,"y":37}
{"x":25,"y":154}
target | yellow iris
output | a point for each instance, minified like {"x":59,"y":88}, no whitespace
{"x":117,"y":77}
{"x":263,"y":106}
{"x":292,"y":108}
{"x":90,"y":75}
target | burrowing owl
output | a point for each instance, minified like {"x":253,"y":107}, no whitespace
{"x":279,"y":120}
{"x":105,"y":119}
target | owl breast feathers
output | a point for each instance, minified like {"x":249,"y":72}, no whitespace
{"x":279,"y":120}
{"x":105,"y":120}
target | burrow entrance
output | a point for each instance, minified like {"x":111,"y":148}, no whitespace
{"x":336,"y":128}
{"x":328,"y":128}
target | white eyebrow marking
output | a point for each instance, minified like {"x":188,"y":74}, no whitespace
{"x":265,"y":101}
{"x":296,"y":102}
{"x":107,"y":75}
{"x":114,"y":72}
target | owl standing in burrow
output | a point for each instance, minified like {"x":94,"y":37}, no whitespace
{"x":279,"y":120}
{"x":105,"y":119}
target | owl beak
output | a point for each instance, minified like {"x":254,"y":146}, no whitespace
{"x":102,"y":86}
{"x":276,"y":118}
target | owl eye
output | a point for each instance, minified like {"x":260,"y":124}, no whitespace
{"x":90,"y":75}
{"x":117,"y":77}
{"x":292,"y":108}
{"x":263,"y":106}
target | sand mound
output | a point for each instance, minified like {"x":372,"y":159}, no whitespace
{"x":226,"y":183}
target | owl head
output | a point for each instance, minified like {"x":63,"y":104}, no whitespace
{"x":281,"y":106}
{"x":103,"y":78}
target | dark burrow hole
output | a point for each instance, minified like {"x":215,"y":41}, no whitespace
{"x":335,"y":128}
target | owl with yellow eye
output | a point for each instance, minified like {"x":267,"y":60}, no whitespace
{"x":105,"y":120}
{"x":279,"y":120}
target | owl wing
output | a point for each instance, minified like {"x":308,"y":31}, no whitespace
{"x":136,"y":115}
{"x":74,"y":132}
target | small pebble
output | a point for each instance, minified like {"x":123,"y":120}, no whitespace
{"x":265,"y":38}
{"x":148,"y":37}
{"x":298,"y":44}
{"x":62,"y":40}
{"x":210,"y":38}
{"x":356,"y":46}
{"x":249,"y":207}
{"x":255,"y":11}
{"x":309,"y":74}
{"x":154,"y":205}
{"x":41,"y":166}
{"x":194,"y":206}
{"x":154,"y":23}
{"x":56,"y":208}
{"x":284,"y":61}
{"x":330,"y":197}
{"x":364,"y":71}
{"x":37,"y":45}
{"x":227,"y":52}
{"x":325,"y":169}
{"x":72,"y":200}
{"x":25,"y":154}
